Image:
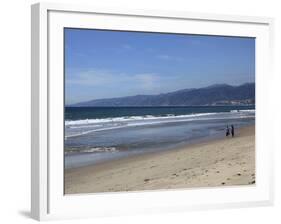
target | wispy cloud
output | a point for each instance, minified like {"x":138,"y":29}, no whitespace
{"x":148,"y":81}
{"x":102,"y":83}
{"x":164,"y":57}
{"x":167,"y":57}
{"x":127,"y":46}
{"x":138,"y":83}
{"x":97,"y":78}
{"x":93,"y":77}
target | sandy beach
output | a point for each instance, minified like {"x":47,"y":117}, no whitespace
{"x":222,"y":162}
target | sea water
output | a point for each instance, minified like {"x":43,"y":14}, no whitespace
{"x":97,"y":134}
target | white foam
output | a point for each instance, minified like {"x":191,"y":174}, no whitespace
{"x":131,"y":118}
{"x":95,"y":149}
{"x":237,"y":111}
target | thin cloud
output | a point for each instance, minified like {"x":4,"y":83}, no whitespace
{"x":97,"y":78}
{"x":168,"y":57}
{"x":89,"y":78}
{"x":148,"y":81}
{"x":127,"y":47}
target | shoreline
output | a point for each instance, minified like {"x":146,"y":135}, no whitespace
{"x":210,"y":163}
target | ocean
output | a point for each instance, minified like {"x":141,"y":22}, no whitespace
{"x":97,"y":134}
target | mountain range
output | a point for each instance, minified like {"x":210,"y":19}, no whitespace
{"x":218,"y":94}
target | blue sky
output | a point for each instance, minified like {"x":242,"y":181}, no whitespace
{"x":105,"y":64}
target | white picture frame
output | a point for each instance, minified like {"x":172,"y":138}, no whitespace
{"x":48,"y":200}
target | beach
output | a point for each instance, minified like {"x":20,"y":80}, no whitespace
{"x":213,"y":163}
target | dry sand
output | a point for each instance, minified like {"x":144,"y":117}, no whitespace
{"x":224,"y":162}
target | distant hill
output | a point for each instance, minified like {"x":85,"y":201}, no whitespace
{"x":219,"y":94}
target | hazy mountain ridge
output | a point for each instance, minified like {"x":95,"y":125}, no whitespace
{"x":218,"y":94}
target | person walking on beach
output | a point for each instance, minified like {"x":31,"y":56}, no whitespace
{"x":227,"y":131}
{"x":232,"y":130}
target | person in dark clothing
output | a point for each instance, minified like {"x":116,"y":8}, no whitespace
{"x":227,"y":131}
{"x":232,"y":130}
